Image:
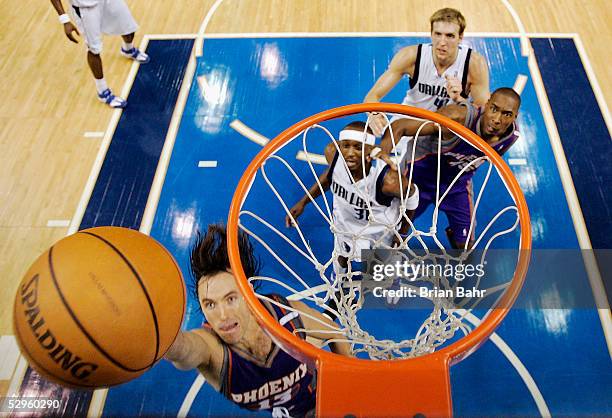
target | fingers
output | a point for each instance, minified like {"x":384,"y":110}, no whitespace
{"x":453,"y":87}
{"x":451,"y":79}
{"x":289,"y":222}
{"x":69,"y":28}
{"x":387,"y":159}
{"x":377,"y":123}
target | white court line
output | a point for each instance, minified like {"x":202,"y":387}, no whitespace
{"x":95,"y":170}
{"x":160,"y":175}
{"x":198,"y":47}
{"x":518,"y":366}
{"x":590,"y":263}
{"x":249,"y":133}
{"x":191,"y":395}
{"x":108,"y":136}
{"x":517,"y":161}
{"x":10,"y":356}
{"x":58,"y":223}
{"x":374,"y":35}
{"x":519,"y":83}
{"x":169,"y":36}
{"x":207,"y":164}
{"x":96,"y":405}
{"x":603,"y":106}
{"x":22,"y":366}
{"x":93,"y":134}
{"x":314,"y":158}
{"x":164,"y":159}
{"x":354,"y":35}
{"x":525,"y":45}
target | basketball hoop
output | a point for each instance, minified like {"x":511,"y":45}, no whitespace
{"x":417,"y":382}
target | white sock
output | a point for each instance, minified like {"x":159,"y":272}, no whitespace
{"x":127,"y":46}
{"x":100,"y":85}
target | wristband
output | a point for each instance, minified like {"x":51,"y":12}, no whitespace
{"x":375,"y":152}
{"x":413,"y":200}
{"x":64,"y":18}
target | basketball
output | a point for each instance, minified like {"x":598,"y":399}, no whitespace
{"x":99,"y":308}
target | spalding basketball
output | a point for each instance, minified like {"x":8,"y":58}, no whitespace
{"x":99,"y":308}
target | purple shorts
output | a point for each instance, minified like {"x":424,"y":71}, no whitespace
{"x":457,"y":204}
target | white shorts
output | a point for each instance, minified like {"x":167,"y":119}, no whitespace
{"x":110,"y":17}
{"x":347,"y":247}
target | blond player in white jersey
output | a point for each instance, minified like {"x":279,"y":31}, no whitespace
{"x":363,"y":207}
{"x":93,"y":18}
{"x":440,"y":72}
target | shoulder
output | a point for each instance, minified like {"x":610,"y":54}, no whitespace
{"x":408,"y":51}
{"x":478,"y":65}
{"x":208,"y":336}
{"x":404,"y":58}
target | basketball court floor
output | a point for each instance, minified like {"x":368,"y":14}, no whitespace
{"x":169,"y":163}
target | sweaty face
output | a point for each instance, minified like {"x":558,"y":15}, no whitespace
{"x":499,"y":113}
{"x":352,"y":153}
{"x":224,"y":307}
{"x":445,"y":40}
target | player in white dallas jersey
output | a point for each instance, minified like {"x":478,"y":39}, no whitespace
{"x":439,"y":72}
{"x":366,"y":209}
{"x":94,"y":18}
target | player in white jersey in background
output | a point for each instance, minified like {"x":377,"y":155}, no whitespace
{"x":439,"y":72}
{"x":363,"y":207}
{"x":93,"y":18}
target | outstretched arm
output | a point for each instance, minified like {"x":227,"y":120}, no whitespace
{"x":402,"y":63}
{"x":315,"y":190}
{"x":343,"y":348}
{"x":409,"y":127}
{"x":189,"y":350}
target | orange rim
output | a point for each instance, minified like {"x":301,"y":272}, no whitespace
{"x":313,"y":355}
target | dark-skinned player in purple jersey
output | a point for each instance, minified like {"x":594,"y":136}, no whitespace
{"x":495,"y":123}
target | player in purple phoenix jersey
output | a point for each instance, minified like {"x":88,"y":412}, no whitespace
{"x":232,"y":351}
{"x":496,"y":124}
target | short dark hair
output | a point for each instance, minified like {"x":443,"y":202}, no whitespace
{"x":358,"y":126}
{"x":507,"y":91}
{"x":209,"y":254}
{"x":448,"y":15}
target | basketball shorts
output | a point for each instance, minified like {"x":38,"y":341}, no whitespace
{"x":110,"y":17}
{"x":351,"y":248}
{"x":457,"y":206}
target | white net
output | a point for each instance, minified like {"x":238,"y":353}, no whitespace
{"x":342,"y":292}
